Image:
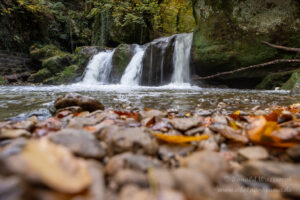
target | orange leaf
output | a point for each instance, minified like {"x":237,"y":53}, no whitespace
{"x":90,"y":128}
{"x":262,"y":131}
{"x":236,"y":115}
{"x":179,"y":139}
{"x":272,"y":117}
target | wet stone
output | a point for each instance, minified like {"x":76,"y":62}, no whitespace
{"x":81,"y":122}
{"x":194,"y":131}
{"x":131,"y":192}
{"x":130,"y":161}
{"x":168,"y":151}
{"x":12,"y":188}
{"x":254,"y":153}
{"x":194,"y":184}
{"x":97,"y":187}
{"x":208,"y":162}
{"x":184,"y":124}
{"x":211,"y":144}
{"x":269,"y":169}
{"x":71,"y":109}
{"x":128,"y":177}
{"x":152,"y":113}
{"x":74,"y":99}
{"x":80,"y":142}
{"x":161,"y":178}
{"x":128,"y":139}
{"x":26,"y":125}
{"x":14,"y":147}
{"x":14,"y":133}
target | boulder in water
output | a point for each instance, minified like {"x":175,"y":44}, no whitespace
{"x":120,"y":60}
{"x":158,"y":62}
{"x":74,"y":99}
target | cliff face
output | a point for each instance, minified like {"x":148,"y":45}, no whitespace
{"x":229,"y":35}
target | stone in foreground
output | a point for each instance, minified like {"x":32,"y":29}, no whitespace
{"x":74,"y":99}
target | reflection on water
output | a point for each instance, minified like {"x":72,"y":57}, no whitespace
{"x":25,"y":101}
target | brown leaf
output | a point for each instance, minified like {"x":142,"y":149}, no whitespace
{"x":230,"y":133}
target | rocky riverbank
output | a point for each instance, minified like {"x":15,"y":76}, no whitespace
{"x":88,"y":152}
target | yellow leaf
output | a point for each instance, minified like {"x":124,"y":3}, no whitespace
{"x":188,"y":114}
{"x":179,"y":139}
{"x":234,"y":125}
{"x":237,"y":112}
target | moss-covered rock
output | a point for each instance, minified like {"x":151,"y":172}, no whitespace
{"x":68,"y":75}
{"x":40,"y":76}
{"x":293,"y":83}
{"x":229,"y":35}
{"x":83,"y":55}
{"x":2,"y":81}
{"x":56,"y":63}
{"x":274,"y":80}
{"x":120,"y":60}
{"x":40,"y":52}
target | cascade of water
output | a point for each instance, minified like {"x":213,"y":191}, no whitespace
{"x":99,"y":68}
{"x":132,"y":73}
{"x":181,"y":58}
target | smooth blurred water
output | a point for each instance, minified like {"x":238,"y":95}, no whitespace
{"x":21,"y":102}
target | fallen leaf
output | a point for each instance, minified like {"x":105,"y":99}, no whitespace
{"x":189,"y":114}
{"x":124,"y":115}
{"x":269,"y":133}
{"x":178,"y":139}
{"x":236,"y":115}
{"x":230,"y":133}
{"x":90,"y":128}
{"x":63,"y":114}
{"x":234,"y":125}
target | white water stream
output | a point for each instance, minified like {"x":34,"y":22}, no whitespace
{"x":99,"y":68}
{"x":132,"y":73}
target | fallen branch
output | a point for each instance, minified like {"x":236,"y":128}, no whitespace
{"x":282,"y":47}
{"x":251,"y":67}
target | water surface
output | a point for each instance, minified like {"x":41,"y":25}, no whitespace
{"x":21,"y":102}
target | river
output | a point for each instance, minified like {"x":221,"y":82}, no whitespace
{"x":21,"y":102}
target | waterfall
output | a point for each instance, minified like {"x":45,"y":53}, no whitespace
{"x":181,"y":58}
{"x":132,"y":73}
{"x":99,"y":68}
{"x":161,"y":61}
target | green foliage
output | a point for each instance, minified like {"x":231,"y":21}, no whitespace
{"x":123,"y":21}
